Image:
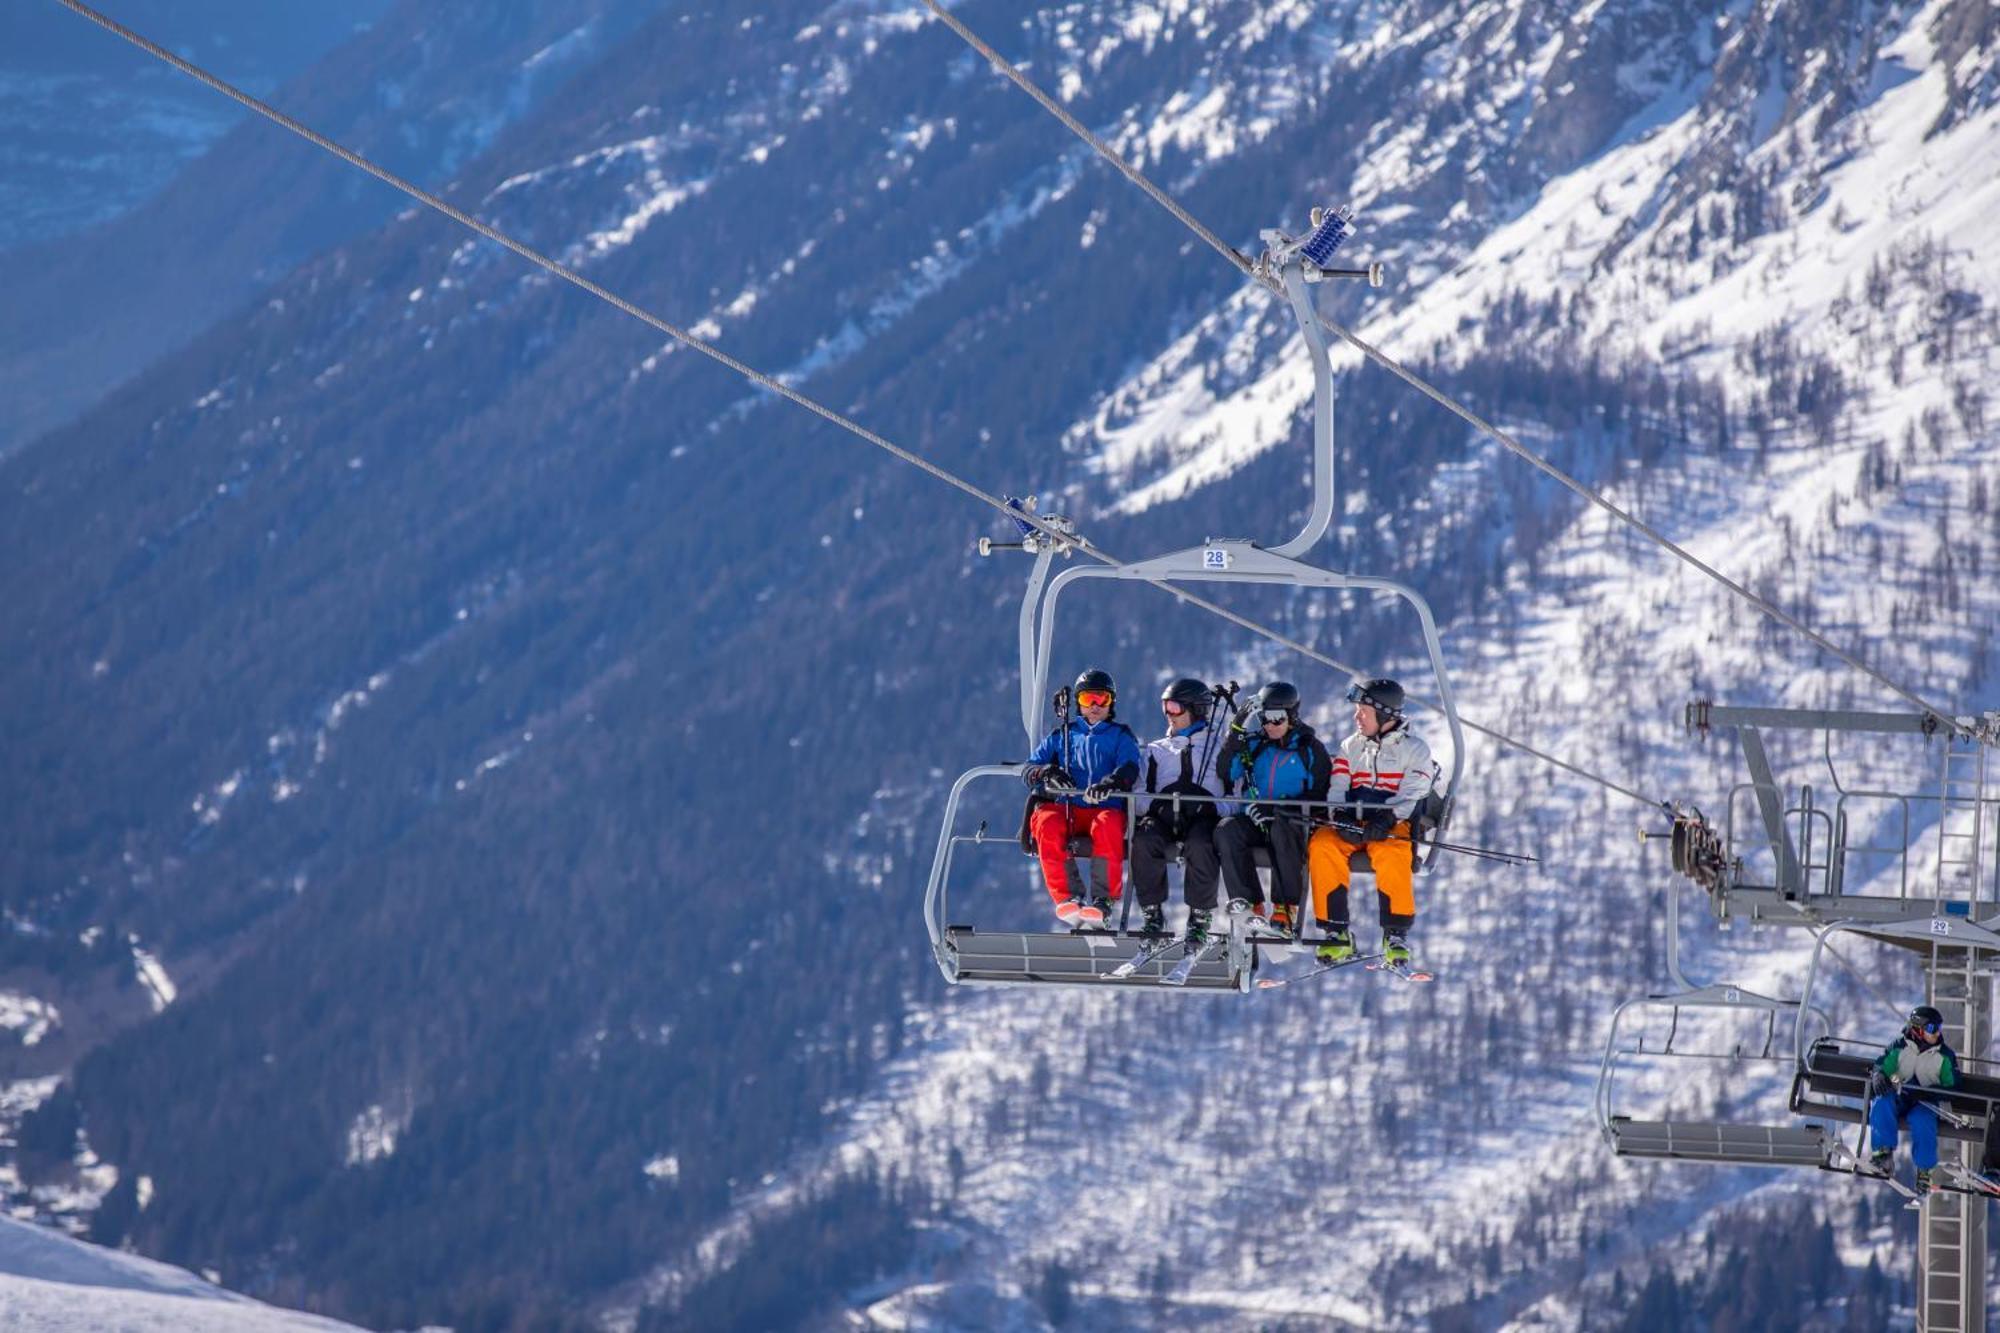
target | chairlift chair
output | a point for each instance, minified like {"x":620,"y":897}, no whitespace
{"x":1832,"y":1076}
{"x":966,"y":954}
{"x":1714,"y":1141}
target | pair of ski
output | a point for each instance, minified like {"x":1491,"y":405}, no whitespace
{"x":1181,"y":971}
{"x":1251,"y":927}
{"x":1914,"y":1196}
{"x":1374,"y":962}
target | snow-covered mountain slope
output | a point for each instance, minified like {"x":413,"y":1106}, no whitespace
{"x":1317,"y":1157}
{"x":50,"y":1283}
{"x":469,"y":914}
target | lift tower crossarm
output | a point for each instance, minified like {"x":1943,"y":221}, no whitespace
{"x":1702,"y":715}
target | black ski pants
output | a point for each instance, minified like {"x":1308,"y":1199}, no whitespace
{"x":1153,"y":847}
{"x":1238,"y":836}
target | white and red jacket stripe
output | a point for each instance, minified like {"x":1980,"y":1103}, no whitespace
{"x":1395,"y":766}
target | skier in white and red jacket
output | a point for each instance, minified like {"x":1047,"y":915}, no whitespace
{"x":1385,"y":771}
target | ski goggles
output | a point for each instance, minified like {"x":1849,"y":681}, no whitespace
{"x":1170,"y":706}
{"x":1273,"y":716}
{"x":1928,"y":1029}
{"x":1094,"y":698}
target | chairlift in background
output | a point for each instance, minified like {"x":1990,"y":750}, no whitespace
{"x":1761,"y":1042}
{"x":967,"y":954}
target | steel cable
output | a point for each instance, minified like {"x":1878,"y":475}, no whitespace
{"x":757,"y":377}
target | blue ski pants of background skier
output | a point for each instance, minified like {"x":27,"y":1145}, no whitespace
{"x":1884,"y":1112}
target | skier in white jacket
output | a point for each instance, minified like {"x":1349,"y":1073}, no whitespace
{"x":1386,"y":772}
{"x":1180,"y":763}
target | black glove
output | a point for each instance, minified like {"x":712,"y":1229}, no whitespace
{"x":1032,"y":775}
{"x":1057,"y":781}
{"x":1241,"y":716}
{"x":1098,"y":791}
{"x":1377,"y":823}
{"x":1878,"y":1084}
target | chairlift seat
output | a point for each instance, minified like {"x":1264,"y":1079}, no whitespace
{"x":1720,"y":1142}
{"x":1831,"y":1073}
{"x":1083,"y":957}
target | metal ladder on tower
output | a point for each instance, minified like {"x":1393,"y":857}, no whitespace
{"x":1961,"y":825}
{"x":1951,"y":1255}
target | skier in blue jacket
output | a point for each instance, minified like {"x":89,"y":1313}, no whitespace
{"x":1083,"y":768}
{"x":1284,"y":761}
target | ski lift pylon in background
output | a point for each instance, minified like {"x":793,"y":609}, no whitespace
{"x":1905,"y":864}
{"x":1087,"y":956}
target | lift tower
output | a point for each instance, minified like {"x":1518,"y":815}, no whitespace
{"x":1906,"y":852}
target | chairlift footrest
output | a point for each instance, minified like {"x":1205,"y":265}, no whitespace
{"x":1073,"y":958}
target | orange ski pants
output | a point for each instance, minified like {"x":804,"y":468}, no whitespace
{"x":1328,"y":855}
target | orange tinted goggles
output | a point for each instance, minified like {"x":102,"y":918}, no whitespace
{"x":1093,"y":698}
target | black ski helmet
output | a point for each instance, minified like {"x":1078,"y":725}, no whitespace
{"x":1383,"y":695}
{"x":1190,"y":694}
{"x":1094,"y":679}
{"x":1925,"y":1016}
{"x":1280,"y":694}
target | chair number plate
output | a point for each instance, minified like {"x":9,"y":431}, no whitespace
{"x":1214,"y":557}
{"x":1939,"y":926}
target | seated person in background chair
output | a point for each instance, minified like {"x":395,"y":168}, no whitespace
{"x":1080,"y":768}
{"x":1182,"y":762}
{"x":1284,"y":761}
{"x":1917,"y":1059}
{"x":1382,"y":762}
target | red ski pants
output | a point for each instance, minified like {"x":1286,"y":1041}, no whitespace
{"x":1054,"y":824}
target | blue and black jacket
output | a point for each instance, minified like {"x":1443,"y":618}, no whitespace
{"x":1106,"y":752}
{"x":1295,"y":768}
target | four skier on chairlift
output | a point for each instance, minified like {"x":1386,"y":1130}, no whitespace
{"x":1269,"y":758}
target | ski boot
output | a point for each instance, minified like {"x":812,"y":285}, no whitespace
{"x":1250,"y":918}
{"x":1396,"y":949}
{"x":1154,"y":922}
{"x":1097,"y":912}
{"x":1197,"y":929}
{"x":1338,"y":946}
{"x":1069,"y":911}
{"x":1923,"y":1181}
{"x":1281,"y":918}
{"x":1880,"y":1160}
